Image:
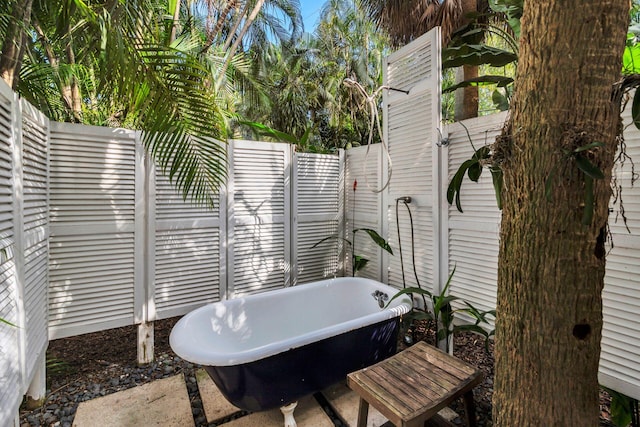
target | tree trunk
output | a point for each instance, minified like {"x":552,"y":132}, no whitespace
{"x":13,"y":45}
{"x":551,"y":266}
{"x":231,"y":4}
{"x":466,"y":99}
{"x":236,"y":44}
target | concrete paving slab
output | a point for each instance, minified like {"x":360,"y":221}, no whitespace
{"x":162,"y":402}
{"x":214,"y":403}
{"x":346,"y":403}
{"x":307,"y":414}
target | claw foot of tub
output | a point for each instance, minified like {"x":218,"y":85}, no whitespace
{"x":287,"y":411}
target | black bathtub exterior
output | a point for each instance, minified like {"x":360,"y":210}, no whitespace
{"x":285,"y":377}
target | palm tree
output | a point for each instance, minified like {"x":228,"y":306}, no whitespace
{"x":111,"y":63}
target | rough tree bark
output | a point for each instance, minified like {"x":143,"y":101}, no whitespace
{"x":551,"y":268}
{"x":14,"y":42}
{"x":466,"y":99}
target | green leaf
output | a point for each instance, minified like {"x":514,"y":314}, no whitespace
{"x":621,"y":409}
{"x":497,"y":178}
{"x":453,"y":190}
{"x":409,"y":291}
{"x":467,"y":54}
{"x":471,"y":328}
{"x":474,"y":172}
{"x":588,"y":168}
{"x":359,"y":263}
{"x":6,"y":322}
{"x":512,"y":9}
{"x":378,"y":239}
{"x":589,"y":147}
{"x":265,"y":130}
{"x":482,"y":153}
{"x":631,"y":59}
{"x":501,"y":81}
{"x":332,"y":237}
{"x":635,"y":109}
{"x":587,"y":214}
{"x":500,"y":100}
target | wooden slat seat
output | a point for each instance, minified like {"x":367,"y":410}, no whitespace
{"x":412,"y":386}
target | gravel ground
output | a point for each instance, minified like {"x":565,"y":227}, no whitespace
{"x":93,"y":365}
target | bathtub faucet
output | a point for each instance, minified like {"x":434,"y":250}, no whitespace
{"x":381,"y":297}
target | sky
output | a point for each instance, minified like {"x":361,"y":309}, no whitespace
{"x":311,"y":13}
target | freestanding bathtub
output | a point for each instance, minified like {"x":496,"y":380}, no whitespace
{"x":268,"y":350}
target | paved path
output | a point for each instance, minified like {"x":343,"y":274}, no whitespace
{"x":165,"y":403}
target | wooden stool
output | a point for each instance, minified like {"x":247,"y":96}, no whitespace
{"x":412,"y":386}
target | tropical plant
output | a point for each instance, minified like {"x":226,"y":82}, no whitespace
{"x":358,"y":262}
{"x":442,"y":313}
{"x":109,"y":63}
{"x":624,"y":409}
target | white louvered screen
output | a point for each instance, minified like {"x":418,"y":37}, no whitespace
{"x":92,"y":227}
{"x":318,"y":211}
{"x":35,"y":148}
{"x":619,"y":361}
{"x":11,"y":377}
{"x":473,"y":234}
{"x":364,"y":206}
{"x":259,"y":222}
{"x":411,"y":127}
{"x":187,"y":252}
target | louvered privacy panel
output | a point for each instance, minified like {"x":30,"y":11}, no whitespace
{"x":259,"y":220}
{"x":411,"y":126}
{"x":11,"y":376}
{"x":35,"y":149}
{"x":317,"y":190}
{"x":364,"y":206}
{"x":95,"y":229}
{"x":187,"y":252}
{"x":473,"y":235}
{"x":620,"y":356}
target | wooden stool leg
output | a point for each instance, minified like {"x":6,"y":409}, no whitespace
{"x":363,"y":412}
{"x":470,"y":409}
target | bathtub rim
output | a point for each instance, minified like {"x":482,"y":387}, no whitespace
{"x":185,"y":348}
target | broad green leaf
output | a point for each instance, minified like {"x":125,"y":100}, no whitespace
{"x":474,"y":172}
{"x":466,"y":54}
{"x":378,"y":239}
{"x":482,"y":153}
{"x":453,"y":190}
{"x":588,"y":168}
{"x":512,"y":9}
{"x":501,"y":81}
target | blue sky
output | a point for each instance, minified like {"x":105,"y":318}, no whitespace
{"x":311,"y":13}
